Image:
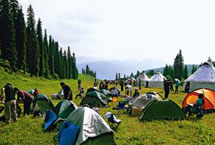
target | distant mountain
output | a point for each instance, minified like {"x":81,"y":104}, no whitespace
{"x":108,"y":68}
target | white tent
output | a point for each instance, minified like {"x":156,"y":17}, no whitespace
{"x":204,"y":77}
{"x":156,"y":81}
{"x":143,"y":77}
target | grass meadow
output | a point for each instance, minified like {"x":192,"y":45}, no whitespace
{"x":28,"y":130}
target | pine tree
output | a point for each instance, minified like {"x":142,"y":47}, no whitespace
{"x":7,"y":33}
{"x":65,"y":64}
{"x":185,"y":75}
{"x":33,"y":55}
{"x":87,"y":69}
{"x":194,"y":69}
{"x":178,"y":65}
{"x":21,"y":40}
{"x":51,"y":55}
{"x":70,"y":74}
{"x":166,"y":70}
{"x":46,"y":57}
{"x":74,"y":68}
{"x":57,"y":61}
{"x":41,"y":48}
{"x":62,"y":67}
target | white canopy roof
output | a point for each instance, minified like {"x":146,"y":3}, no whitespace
{"x":157,"y":77}
{"x":143,"y":77}
{"x":206,"y":73}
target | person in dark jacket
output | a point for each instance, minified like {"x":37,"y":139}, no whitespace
{"x":10,"y":102}
{"x":166,"y":88}
{"x":67,"y":91}
{"x":136,"y":93}
{"x":26,"y":97}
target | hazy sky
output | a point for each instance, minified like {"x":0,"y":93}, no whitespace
{"x":131,"y":29}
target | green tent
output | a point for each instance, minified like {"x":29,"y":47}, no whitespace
{"x":165,"y":109}
{"x":64,"y":108}
{"x":93,"y":129}
{"x":95,"y":99}
{"x":43,"y":102}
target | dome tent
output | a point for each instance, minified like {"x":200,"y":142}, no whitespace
{"x":209,"y":99}
{"x":95,"y":99}
{"x":165,"y":109}
{"x":143,"y":100}
{"x":93,"y":128}
{"x":204,"y":77}
{"x":156,"y":81}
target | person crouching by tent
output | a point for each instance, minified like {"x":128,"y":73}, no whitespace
{"x":67,"y":91}
{"x":196,"y":108}
{"x":26,"y":97}
{"x":136,"y":93}
{"x":81,"y":94}
{"x":10,"y":102}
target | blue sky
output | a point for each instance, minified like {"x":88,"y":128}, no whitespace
{"x":131,"y":29}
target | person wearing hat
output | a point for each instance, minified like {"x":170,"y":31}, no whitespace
{"x":10,"y":102}
{"x":27,"y":97}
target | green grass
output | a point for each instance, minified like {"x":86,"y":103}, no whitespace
{"x":28,"y":130}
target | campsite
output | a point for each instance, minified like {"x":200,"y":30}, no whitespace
{"x":107,"y":72}
{"x":29,"y":130}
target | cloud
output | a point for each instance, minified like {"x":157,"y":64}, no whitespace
{"x":137,"y":29}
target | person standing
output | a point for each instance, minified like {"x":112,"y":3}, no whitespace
{"x":67,"y":91}
{"x":27,"y":97}
{"x":95,"y":83}
{"x":140,"y":84}
{"x":122,"y":85}
{"x":79,"y":85}
{"x":176,"y":86}
{"x":166,"y":88}
{"x":10,"y":102}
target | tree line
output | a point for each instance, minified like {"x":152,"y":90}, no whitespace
{"x":27,"y":47}
{"x":178,"y":70}
{"x":88,"y":71}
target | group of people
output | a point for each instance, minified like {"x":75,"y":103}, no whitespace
{"x":8,"y":93}
{"x":7,"y":96}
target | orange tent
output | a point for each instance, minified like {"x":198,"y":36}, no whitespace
{"x":209,"y":98}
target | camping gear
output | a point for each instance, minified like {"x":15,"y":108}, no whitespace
{"x":68,"y":134}
{"x":112,"y":120}
{"x":95,"y":99}
{"x":93,"y":128}
{"x":59,"y":95}
{"x":156,"y":81}
{"x":163,"y":109}
{"x":43,"y":103}
{"x":204,"y":77}
{"x":209,"y":99}
{"x":136,"y":111}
